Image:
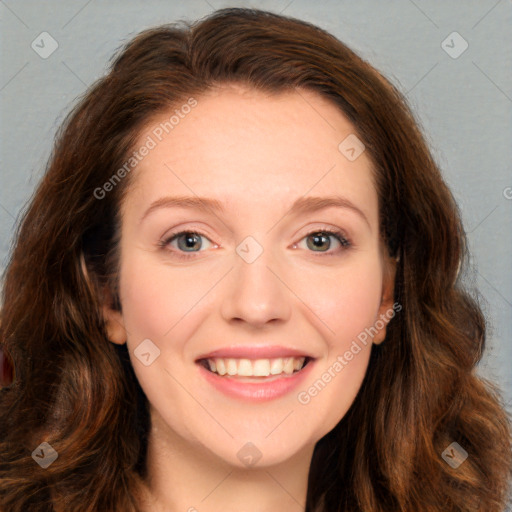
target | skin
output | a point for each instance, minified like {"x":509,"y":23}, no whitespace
{"x":256,"y":154}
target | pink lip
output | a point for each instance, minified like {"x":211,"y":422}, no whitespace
{"x":257,"y":391}
{"x":255,"y":352}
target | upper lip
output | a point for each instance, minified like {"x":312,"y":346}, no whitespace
{"x":255,"y":352}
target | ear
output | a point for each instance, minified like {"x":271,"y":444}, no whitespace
{"x":386,"y":311}
{"x":116,"y":331}
{"x":114,"y":321}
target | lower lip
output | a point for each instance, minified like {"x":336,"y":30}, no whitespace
{"x":257,"y":391}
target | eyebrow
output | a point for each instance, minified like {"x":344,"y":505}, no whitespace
{"x":302,"y":205}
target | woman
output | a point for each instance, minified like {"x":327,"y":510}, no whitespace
{"x":256,"y":372}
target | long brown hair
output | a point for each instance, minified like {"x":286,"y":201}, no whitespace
{"x":76,"y":390}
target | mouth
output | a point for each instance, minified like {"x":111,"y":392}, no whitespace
{"x":255,"y":369}
{"x":256,"y":380}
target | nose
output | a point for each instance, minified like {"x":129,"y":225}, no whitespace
{"x":256,"y":292}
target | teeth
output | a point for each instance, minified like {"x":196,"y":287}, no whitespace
{"x":231,"y":366}
{"x":261,"y":368}
{"x":257,"y":367}
{"x":276,"y":366}
{"x":297,"y":364}
{"x":288,"y":365}
{"x":221,"y":367}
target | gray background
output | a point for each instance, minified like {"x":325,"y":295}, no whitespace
{"x":464,"y":104}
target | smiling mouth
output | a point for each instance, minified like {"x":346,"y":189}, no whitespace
{"x":255,"y":368}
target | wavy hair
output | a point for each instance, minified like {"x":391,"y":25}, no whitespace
{"x":75,"y":390}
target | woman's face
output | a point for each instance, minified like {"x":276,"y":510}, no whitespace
{"x":253,"y":274}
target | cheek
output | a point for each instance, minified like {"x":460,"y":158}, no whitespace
{"x":332,"y":389}
{"x":345,"y":300}
{"x":347,"y":305}
{"x":155,"y":299}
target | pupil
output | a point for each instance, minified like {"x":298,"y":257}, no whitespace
{"x":318,"y":240}
{"x":191,"y":240}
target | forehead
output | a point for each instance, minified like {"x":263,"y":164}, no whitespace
{"x":249,"y":149}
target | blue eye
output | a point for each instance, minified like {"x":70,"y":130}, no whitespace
{"x":192,"y":241}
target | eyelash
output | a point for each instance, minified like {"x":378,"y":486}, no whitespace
{"x":339,"y":235}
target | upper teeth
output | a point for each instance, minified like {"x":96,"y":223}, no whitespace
{"x":257,"y":367}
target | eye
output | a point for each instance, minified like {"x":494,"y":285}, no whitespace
{"x":188,"y":242}
{"x":322,"y":239}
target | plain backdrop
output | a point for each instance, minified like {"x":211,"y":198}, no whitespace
{"x":452,"y":60}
